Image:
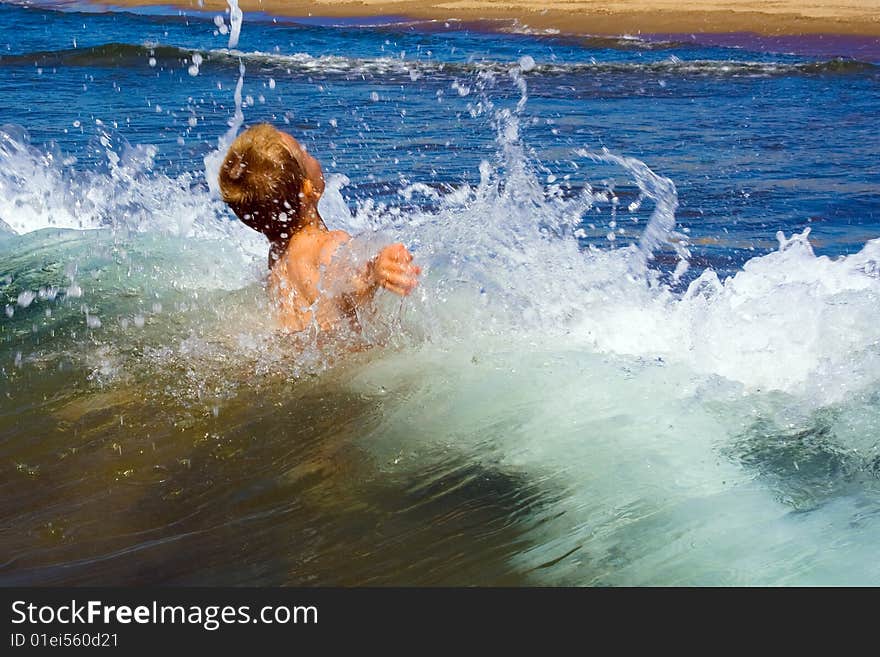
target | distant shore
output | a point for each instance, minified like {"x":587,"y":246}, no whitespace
{"x":780,"y":17}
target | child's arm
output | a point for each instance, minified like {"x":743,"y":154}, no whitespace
{"x":391,"y":268}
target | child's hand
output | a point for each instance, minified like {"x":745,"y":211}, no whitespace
{"x":393,"y":270}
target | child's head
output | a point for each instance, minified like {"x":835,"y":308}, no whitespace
{"x":270,"y":182}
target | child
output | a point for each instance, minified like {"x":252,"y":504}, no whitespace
{"x":273,"y":185}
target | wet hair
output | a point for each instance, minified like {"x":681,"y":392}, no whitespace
{"x":261,"y":181}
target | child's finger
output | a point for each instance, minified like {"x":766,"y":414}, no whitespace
{"x":397,"y":290}
{"x":406,"y":270}
{"x":401,"y":280}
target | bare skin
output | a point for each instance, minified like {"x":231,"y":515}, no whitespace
{"x":312,"y":283}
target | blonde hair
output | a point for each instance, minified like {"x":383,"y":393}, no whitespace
{"x":261,"y":181}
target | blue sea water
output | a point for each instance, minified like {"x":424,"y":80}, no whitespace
{"x":616,"y":372}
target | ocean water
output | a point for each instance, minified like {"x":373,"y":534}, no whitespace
{"x":646,"y":350}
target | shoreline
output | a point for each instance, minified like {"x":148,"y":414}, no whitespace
{"x":584,"y":17}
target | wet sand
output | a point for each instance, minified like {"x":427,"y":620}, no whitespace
{"x":767,"y":17}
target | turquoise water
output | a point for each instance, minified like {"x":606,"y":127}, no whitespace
{"x":645,"y":350}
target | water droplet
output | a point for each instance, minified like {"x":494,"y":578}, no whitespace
{"x":526,"y":63}
{"x":25,"y":298}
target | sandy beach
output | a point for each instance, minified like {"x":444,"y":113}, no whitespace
{"x":768,"y":17}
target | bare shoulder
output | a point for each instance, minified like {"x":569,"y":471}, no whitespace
{"x":331,"y":242}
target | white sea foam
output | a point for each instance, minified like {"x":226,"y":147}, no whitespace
{"x":789,"y":321}
{"x":41,"y":190}
{"x":343,"y":65}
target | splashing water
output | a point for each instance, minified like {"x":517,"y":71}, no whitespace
{"x":660,"y":228}
{"x":41,"y":190}
{"x":235,"y":20}
{"x":508,"y":243}
{"x":214,"y":159}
